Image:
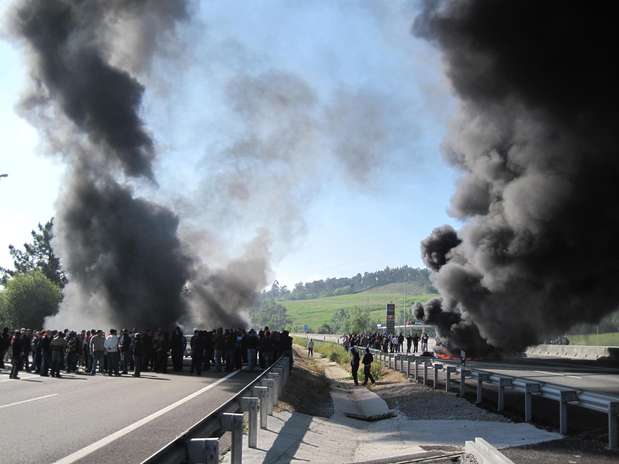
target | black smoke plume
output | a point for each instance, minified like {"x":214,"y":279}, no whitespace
{"x":536,"y":140}
{"x":122,"y":254}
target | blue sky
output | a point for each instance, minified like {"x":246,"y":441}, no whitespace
{"x":341,"y":226}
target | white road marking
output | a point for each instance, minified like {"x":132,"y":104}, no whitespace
{"x":574,"y":377}
{"x":130,"y":428}
{"x":27,"y":401}
{"x":549,"y":373}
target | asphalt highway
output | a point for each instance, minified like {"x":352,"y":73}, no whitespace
{"x":576,"y":375}
{"x":103,"y":419}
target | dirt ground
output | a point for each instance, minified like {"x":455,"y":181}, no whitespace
{"x":585,"y":448}
{"x":419,"y":402}
{"x":307,"y":390}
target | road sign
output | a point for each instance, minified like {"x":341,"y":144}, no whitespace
{"x":390,"y":318}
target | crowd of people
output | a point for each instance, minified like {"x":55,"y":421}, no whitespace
{"x":48,"y":352}
{"x":389,"y":343}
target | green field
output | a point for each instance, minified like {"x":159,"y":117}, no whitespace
{"x":603,"y":339}
{"x":318,"y":311}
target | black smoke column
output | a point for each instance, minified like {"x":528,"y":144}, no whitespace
{"x":536,"y":140}
{"x":122,"y":253}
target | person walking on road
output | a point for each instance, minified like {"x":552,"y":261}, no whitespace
{"x":16,"y":354}
{"x":367,"y":366}
{"x":310,"y":348}
{"x":354,"y":364}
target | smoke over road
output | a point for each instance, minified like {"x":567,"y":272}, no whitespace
{"x":125,"y":262}
{"x":536,"y":141}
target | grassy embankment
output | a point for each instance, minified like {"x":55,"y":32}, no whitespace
{"x":603,"y":339}
{"x":337,"y":353}
{"x":319,"y":311}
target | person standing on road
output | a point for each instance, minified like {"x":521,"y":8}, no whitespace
{"x":137,"y":351}
{"x":251,"y":343}
{"x":310,"y":348}
{"x":16,"y":354}
{"x":58,"y":346}
{"x":111,"y":351}
{"x":409,"y":340}
{"x":124,"y":345}
{"x":46,"y":353}
{"x":5,"y":343}
{"x":354,"y":364}
{"x":367,"y":366}
{"x":178,"y":344}
{"x":424,"y":342}
{"x":415,"y":342}
{"x":97,"y":348}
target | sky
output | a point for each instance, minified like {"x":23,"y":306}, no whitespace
{"x":329,"y":210}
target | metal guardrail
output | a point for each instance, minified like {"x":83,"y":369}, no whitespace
{"x":607,"y":404}
{"x":200,"y":442}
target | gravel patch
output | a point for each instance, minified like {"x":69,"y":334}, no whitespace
{"x":419,"y":402}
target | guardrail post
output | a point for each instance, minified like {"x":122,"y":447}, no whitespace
{"x":565,"y":396}
{"x":408,"y":368}
{"x":270,"y":383}
{"x":250,"y":404}
{"x":263,"y":394}
{"x":448,"y":372}
{"x":390,"y":358}
{"x":463,"y":374}
{"x":437,"y":367}
{"x":401,"y":363}
{"x":234,"y":422}
{"x":613,"y":425}
{"x":425,"y":372}
{"x":203,"y":451}
{"x":276,"y":379}
{"x":529,"y":389}
{"x":416,"y":377}
{"x":503,"y":382}
{"x":280,"y":371}
{"x":481,"y":378}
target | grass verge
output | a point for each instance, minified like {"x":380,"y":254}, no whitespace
{"x":603,"y":339}
{"x":337,"y":353}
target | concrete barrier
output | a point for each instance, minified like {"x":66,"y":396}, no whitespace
{"x":583,"y":352}
{"x":485,"y":453}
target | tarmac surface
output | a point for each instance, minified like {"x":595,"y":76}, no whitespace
{"x":101,"y":419}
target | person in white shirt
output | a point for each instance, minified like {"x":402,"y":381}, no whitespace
{"x":111,"y":351}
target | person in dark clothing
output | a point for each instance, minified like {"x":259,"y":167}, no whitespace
{"x":197,"y":351}
{"x":72,"y":352}
{"x":46,"y":354}
{"x":177,"y":345}
{"x":5,"y":343}
{"x":354,"y":364}
{"x":285,"y":343}
{"x":367,"y":366}
{"x":26,"y":340}
{"x":16,"y":354}
{"x":409,"y":340}
{"x":124,"y":347}
{"x":58,"y":346}
{"x":137,"y":352}
{"x":415,"y":342}
{"x":147,"y":343}
{"x":229,"y":349}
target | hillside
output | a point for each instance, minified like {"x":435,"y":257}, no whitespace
{"x":318,"y":311}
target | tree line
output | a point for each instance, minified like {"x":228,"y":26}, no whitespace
{"x":334,"y":286}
